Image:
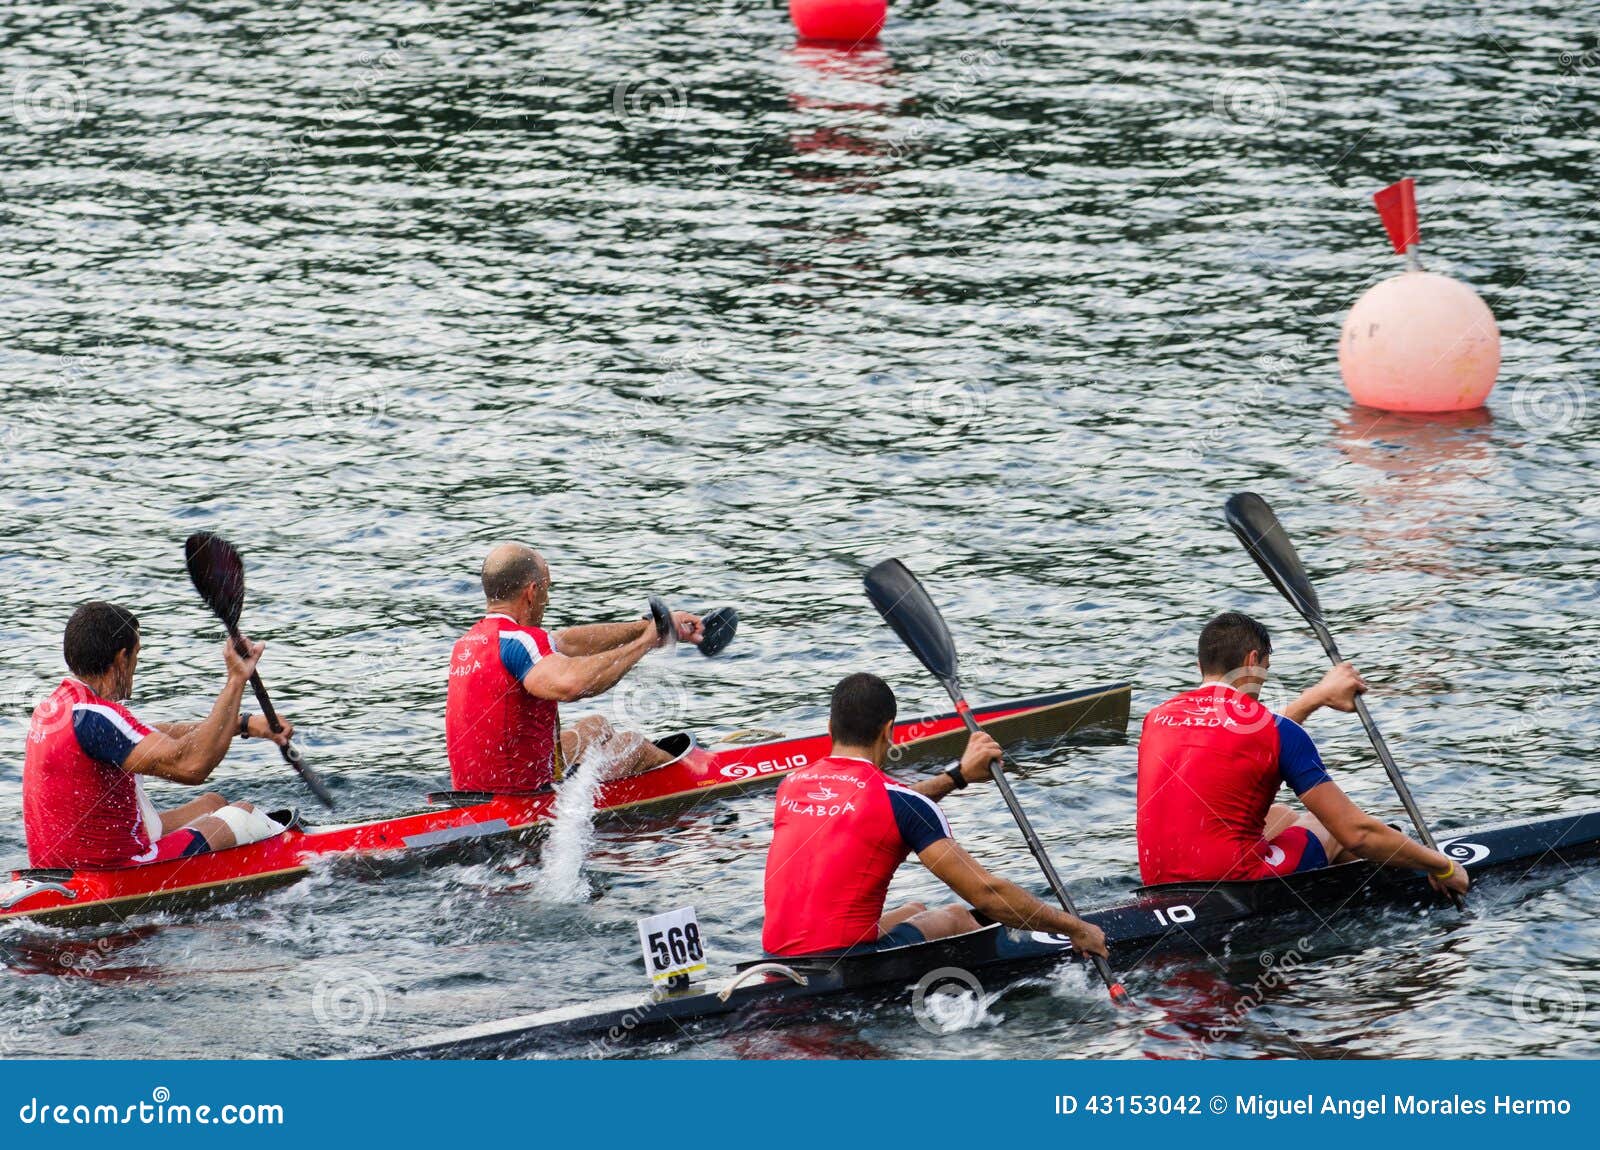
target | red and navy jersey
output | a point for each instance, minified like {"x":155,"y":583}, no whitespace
{"x":1211,"y":762}
{"x":499,"y":737}
{"x":79,"y":807}
{"x":840,"y":831}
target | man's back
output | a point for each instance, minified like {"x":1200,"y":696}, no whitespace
{"x":840,"y":831}
{"x":1209,"y":768}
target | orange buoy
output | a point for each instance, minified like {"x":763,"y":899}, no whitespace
{"x":1419,"y":341}
{"x":852,"y":21}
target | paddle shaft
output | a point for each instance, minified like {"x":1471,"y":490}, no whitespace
{"x":997,"y":770}
{"x":1389,"y":765}
{"x":290,"y":752}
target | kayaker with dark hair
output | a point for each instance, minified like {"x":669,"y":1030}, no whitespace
{"x":1211,"y":762}
{"x":83,"y":802}
{"x":842,"y":828}
{"x":508,"y":677}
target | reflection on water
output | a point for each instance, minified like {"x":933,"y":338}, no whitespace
{"x":704,"y":313}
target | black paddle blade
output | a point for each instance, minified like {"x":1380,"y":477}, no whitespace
{"x":720,"y":624}
{"x":905,"y":606}
{"x":217,"y":571}
{"x":661,"y":616}
{"x":1263,"y":536}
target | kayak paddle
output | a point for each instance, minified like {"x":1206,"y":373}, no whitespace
{"x":1264,"y":537}
{"x":906,"y":607}
{"x":661,"y":616}
{"x":217,"y":571}
{"x":720,"y":624}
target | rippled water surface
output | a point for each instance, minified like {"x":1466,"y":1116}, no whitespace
{"x":1019,"y":296}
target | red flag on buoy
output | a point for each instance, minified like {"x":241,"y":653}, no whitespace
{"x":1397,"y":207}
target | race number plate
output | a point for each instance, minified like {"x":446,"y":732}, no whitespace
{"x":672,"y":945}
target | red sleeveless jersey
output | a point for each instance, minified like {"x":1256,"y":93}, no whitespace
{"x":1211,"y":761}
{"x":840,"y":832}
{"x":499,"y":737}
{"x":79,"y":807}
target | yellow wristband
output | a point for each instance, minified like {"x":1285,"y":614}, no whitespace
{"x":1446,"y":873}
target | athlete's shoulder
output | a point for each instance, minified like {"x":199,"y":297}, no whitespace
{"x":106,"y":730}
{"x":1299,"y":761}
{"x":920,"y":820}
{"x":1290,"y":731}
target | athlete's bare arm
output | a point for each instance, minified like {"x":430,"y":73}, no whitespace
{"x":568,"y":678}
{"x":981,"y":752}
{"x":1337,"y":689}
{"x":1005,"y":901}
{"x":191,"y":757}
{"x":598,"y":638}
{"x":1376,"y":841}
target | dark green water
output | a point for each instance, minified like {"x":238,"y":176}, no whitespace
{"x":1020,"y":297}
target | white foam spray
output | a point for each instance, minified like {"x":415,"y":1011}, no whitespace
{"x":572,"y":833}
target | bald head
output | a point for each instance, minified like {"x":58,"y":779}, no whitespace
{"x":509,"y":568}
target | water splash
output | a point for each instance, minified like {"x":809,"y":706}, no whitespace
{"x":567,"y":845}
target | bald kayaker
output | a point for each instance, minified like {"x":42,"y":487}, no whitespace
{"x":83,"y":799}
{"x":1211,"y":763}
{"x":842,"y":828}
{"x":508,"y":677}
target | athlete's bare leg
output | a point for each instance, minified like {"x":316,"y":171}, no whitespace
{"x":1280,"y":818}
{"x":625,"y":752}
{"x":1330,"y":845}
{"x":218,"y":834}
{"x":180,"y":817}
{"x":899,"y":915}
{"x":947,"y":920}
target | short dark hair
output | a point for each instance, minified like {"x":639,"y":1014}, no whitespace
{"x":96,"y":634}
{"x":1227,"y":639}
{"x":862,"y":704}
{"x":511,"y":569}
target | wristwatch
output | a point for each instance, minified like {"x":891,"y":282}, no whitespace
{"x":956,"y":776}
{"x":244,"y":726}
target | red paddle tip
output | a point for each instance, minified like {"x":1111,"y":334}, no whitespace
{"x":1119,"y":993}
{"x":1397,"y":207}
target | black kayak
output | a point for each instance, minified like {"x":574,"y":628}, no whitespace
{"x":1173,"y":917}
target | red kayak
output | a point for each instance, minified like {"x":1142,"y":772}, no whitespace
{"x":453,"y":818}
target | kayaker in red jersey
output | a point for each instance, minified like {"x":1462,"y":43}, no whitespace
{"x":508,"y":677}
{"x":842,"y":828}
{"x":83,"y":802}
{"x":1211,"y":761}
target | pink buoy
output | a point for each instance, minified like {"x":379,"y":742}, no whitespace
{"x":1418,"y":342}
{"x":854,"y":21}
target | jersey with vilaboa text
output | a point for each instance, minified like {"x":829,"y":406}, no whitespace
{"x":1211,"y":762}
{"x":499,"y":737}
{"x":841,"y":830}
